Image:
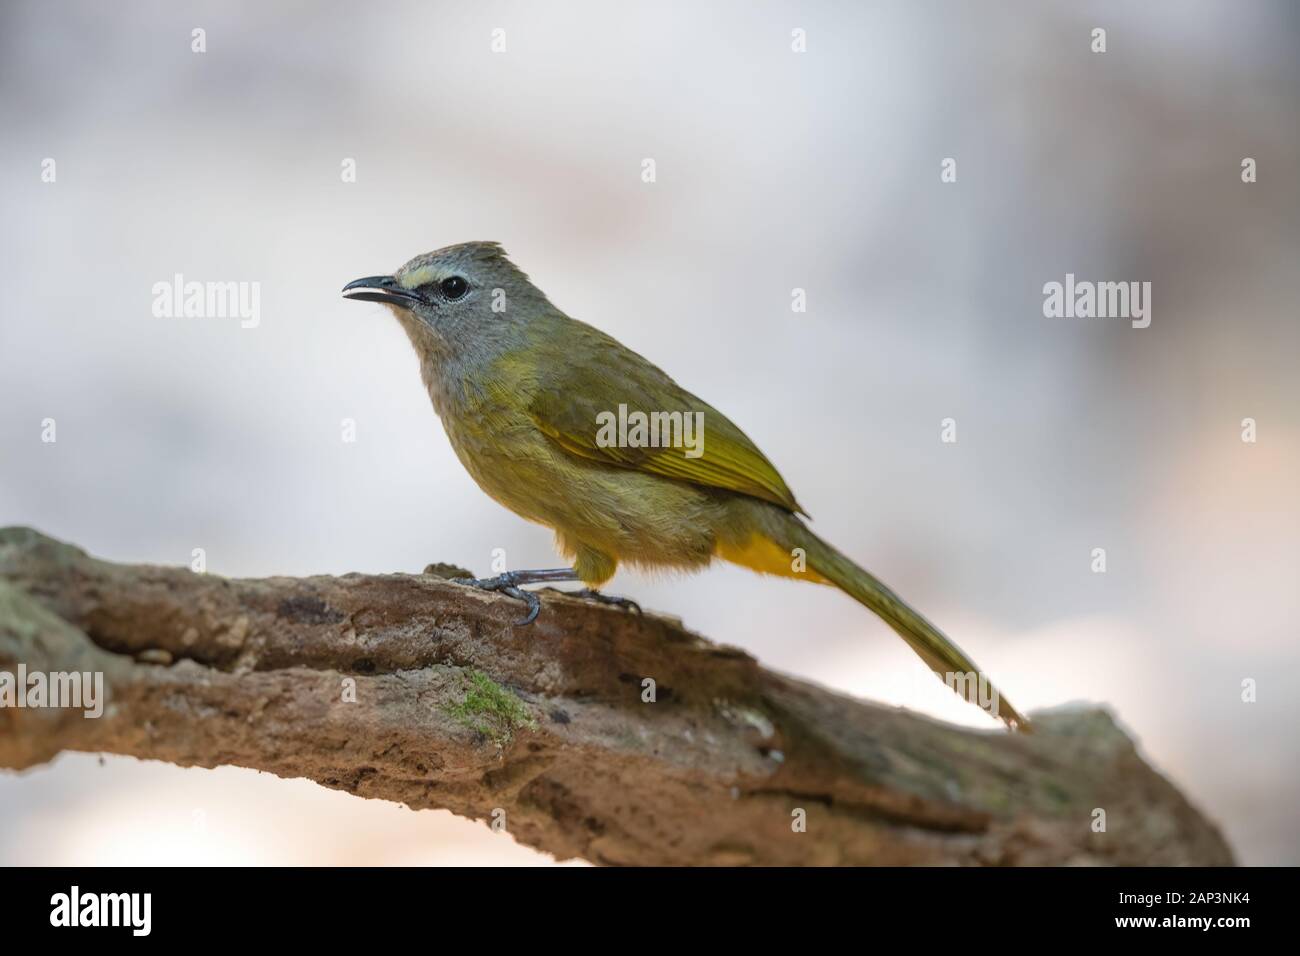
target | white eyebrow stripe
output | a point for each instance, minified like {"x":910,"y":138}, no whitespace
{"x":418,"y":277}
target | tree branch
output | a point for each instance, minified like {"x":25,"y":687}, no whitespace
{"x":457,"y":708}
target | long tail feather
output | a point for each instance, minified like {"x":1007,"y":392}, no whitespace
{"x":942,"y":656}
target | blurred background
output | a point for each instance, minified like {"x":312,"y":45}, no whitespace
{"x":775,"y":170}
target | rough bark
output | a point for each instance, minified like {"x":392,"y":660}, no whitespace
{"x":457,"y":708}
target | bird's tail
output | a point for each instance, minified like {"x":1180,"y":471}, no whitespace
{"x":942,"y":656}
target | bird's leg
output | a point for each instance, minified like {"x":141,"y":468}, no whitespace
{"x":591,"y":594}
{"x":509,"y":584}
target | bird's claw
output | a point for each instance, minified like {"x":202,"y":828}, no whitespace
{"x":507,"y":584}
{"x":591,"y":594}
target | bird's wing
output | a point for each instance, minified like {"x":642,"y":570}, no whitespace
{"x":578,"y":385}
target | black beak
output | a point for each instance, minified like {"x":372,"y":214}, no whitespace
{"x":386,"y":290}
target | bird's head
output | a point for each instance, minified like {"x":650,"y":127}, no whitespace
{"x":459,"y":297}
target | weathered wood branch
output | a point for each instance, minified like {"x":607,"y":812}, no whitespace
{"x":456,"y":708}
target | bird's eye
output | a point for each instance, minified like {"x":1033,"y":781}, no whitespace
{"x":453,"y":287}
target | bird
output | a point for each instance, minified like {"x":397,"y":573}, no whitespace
{"x":546,"y":413}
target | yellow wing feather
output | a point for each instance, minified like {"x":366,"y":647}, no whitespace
{"x":578,"y":388}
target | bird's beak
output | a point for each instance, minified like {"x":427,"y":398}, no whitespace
{"x":381,"y":289}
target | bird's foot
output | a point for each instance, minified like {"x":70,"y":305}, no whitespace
{"x":509,"y":585}
{"x":591,"y":594}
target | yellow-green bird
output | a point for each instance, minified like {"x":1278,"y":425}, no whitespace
{"x":527,"y":396}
